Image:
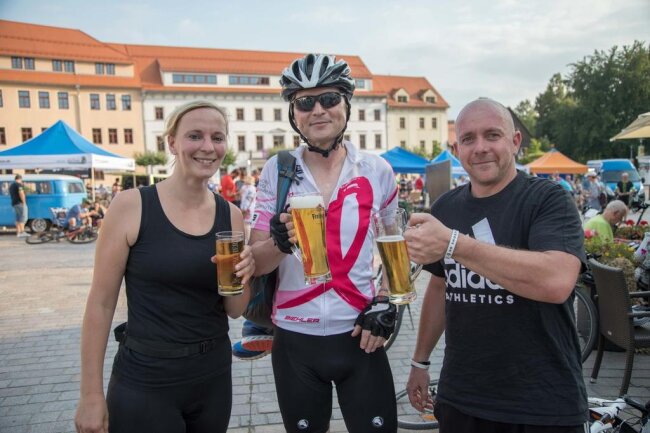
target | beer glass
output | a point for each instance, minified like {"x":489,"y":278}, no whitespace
{"x":229,"y":246}
{"x":308,"y":212}
{"x":389,"y":226}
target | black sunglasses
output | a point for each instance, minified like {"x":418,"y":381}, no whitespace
{"x":326,"y":100}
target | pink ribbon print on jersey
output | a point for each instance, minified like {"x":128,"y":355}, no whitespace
{"x":340,"y":265}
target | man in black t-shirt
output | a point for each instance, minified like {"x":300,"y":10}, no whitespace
{"x":624,"y":189}
{"x":19,"y":203}
{"x":504,"y":251}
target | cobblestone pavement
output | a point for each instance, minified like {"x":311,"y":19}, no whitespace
{"x":43,"y":289}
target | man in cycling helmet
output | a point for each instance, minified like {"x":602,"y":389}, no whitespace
{"x":332,"y":332}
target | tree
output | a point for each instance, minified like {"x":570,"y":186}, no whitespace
{"x":273,"y":151}
{"x":149,"y":159}
{"x":230,"y":158}
{"x":527,"y":114}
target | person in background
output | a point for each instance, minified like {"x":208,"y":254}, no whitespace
{"x":602,"y":225}
{"x":593,"y":191}
{"x":172,"y":371}
{"x":116,"y":188}
{"x":19,"y":203}
{"x":419,"y":183}
{"x":228,"y":189}
{"x":247,"y":193}
{"x":625,"y":189}
{"x":78,"y":215}
{"x":505,"y":252}
{"x":256,"y":177}
{"x":97,"y":213}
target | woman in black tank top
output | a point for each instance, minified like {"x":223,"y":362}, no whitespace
{"x":172,"y":370}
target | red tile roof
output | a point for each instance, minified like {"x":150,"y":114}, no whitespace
{"x":66,"y":79}
{"x":32,"y":40}
{"x":414,"y":86}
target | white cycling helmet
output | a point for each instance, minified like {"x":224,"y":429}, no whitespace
{"x":316,"y":70}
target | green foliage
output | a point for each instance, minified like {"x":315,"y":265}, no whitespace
{"x":150,"y":158}
{"x":600,"y":95}
{"x":422,"y":151}
{"x":609,"y":250}
{"x":527,"y":114}
{"x":536,"y":149}
{"x":274,"y":151}
{"x":229,"y":158}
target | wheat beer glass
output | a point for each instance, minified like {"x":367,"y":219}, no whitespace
{"x":389,"y":226}
{"x":308,"y":212}
{"x":229,"y":246}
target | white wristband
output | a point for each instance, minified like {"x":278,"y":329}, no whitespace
{"x":421,"y":365}
{"x":452,"y":244}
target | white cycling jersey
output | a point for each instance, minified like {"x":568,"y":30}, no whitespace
{"x":366,"y":185}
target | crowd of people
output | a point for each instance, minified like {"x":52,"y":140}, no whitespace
{"x":503,"y":230}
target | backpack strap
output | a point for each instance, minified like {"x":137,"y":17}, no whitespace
{"x":287,"y":173}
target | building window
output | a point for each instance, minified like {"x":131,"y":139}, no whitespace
{"x":43,"y":129}
{"x":259,"y":141}
{"x":421,"y":144}
{"x":402,"y":143}
{"x":247,"y":80}
{"x":241,"y":143}
{"x":2,"y":103}
{"x":377,"y":114}
{"x":23,"y":99}
{"x":258,"y":114}
{"x":29,"y":63}
{"x":362,"y":141}
{"x":402,"y":99}
{"x":128,"y":136}
{"x":44,"y":99}
{"x":57,"y":65}
{"x":431,"y":99}
{"x":3,"y":137}
{"x":126,"y":102}
{"x":434,"y":123}
{"x":377,"y":141}
{"x":362,"y":115}
{"x":160,"y":143}
{"x":346,"y":137}
{"x":278,"y":141}
{"x":112,"y":136}
{"x":97,"y":136}
{"x":240,"y":114}
{"x":94,"y":101}
{"x":64,"y":103}
{"x":296,"y":140}
{"x":16,"y":63}
{"x":26,"y":133}
{"x":68,"y":66}
{"x":160,"y":113}
{"x":194,"y":79}
{"x":110,"y":102}
{"x":277,"y":114}
{"x":421,"y":122}
{"x":360,"y":84}
{"x":99,"y":68}
{"x":402,"y":123}
{"x":110,"y":68}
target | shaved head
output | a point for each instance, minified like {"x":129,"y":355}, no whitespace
{"x":491,"y":104}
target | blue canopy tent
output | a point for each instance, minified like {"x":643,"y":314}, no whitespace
{"x":457,"y":169}
{"x":404,"y":161}
{"x":61,"y":147}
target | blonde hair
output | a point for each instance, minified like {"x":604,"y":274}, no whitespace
{"x":175,"y":117}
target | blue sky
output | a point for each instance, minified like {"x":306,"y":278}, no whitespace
{"x":503,"y":49}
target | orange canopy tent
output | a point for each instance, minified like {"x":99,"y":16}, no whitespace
{"x":555,"y":161}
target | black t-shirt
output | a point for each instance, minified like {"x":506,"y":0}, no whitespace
{"x":623,"y":188}
{"x":508,"y":358}
{"x":14,"y":190}
{"x":172,"y":297}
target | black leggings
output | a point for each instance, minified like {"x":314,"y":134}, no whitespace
{"x":199,"y":407}
{"x":305,"y":366}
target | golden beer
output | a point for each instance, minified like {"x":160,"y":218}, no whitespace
{"x":308,"y":214}
{"x":229,"y":247}
{"x":397,"y":268}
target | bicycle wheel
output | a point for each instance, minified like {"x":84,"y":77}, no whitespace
{"x":586,"y":322}
{"x":398,"y":323}
{"x":84,"y":236}
{"x":39,"y":238}
{"x":410,"y":419}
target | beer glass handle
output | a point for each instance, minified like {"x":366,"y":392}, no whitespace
{"x":296,"y":252}
{"x":415,"y":271}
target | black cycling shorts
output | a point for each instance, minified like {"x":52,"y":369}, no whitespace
{"x":305,"y":366}
{"x":198,"y":407}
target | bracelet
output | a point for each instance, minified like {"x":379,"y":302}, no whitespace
{"x":452,"y":244}
{"x":424,"y":365}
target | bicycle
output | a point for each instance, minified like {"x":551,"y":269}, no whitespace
{"x":615,"y":415}
{"x":81,"y":235}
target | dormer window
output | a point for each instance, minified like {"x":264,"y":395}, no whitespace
{"x":430,"y":99}
{"x":402,"y":99}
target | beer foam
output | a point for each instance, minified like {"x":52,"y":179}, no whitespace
{"x":306,"y":201}
{"x":390,"y":238}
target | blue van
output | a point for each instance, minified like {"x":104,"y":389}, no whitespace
{"x":43,"y":191}
{"x":610,"y":171}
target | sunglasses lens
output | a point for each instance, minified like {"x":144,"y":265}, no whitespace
{"x":306,"y":103}
{"x":329,"y":100}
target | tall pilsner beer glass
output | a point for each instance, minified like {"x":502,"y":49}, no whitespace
{"x":308,"y":212}
{"x":229,"y":246}
{"x":389,"y":226}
